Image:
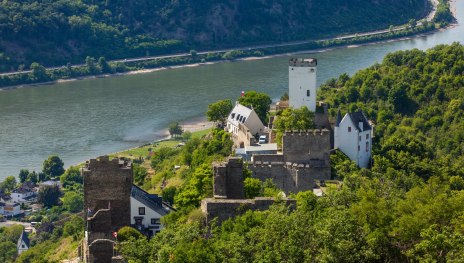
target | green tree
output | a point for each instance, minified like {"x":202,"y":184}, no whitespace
{"x":103,"y":65}
{"x":8,"y":251}
{"x":49,"y":195}
{"x":260,"y":102}
{"x":127,"y":232}
{"x":73,"y":202}
{"x":74,"y":227}
{"x":140,"y":173}
{"x":23,"y":174}
{"x":8,"y":184}
{"x":32,"y":177}
{"x":39,"y":72}
{"x":252,"y":187}
{"x":71,"y":176}
{"x":168,"y":194}
{"x":175,"y":129}
{"x":219,"y":111}
{"x":293,"y":119}
{"x":53,"y":166}
{"x":90,"y":63}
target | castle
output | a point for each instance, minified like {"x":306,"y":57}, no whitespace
{"x":107,"y":189}
{"x":305,"y":158}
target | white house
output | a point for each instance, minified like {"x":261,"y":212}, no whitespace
{"x":245,"y":116}
{"x":11,"y":209}
{"x":147,"y":210}
{"x":353,"y":136}
{"x":22,"y":194}
{"x":302,"y":83}
{"x":23,"y":243}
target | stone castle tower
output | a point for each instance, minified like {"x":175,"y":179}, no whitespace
{"x":302,"y":83}
{"x":107,"y":188}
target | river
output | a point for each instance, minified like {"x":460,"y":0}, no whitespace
{"x":82,"y":119}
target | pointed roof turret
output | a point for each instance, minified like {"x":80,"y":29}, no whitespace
{"x":339,"y":118}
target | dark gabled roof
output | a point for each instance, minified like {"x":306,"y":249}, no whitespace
{"x":358,"y":117}
{"x":24,"y":238}
{"x":152,"y":201}
{"x":339,"y":118}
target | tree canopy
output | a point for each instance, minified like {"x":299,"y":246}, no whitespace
{"x":260,"y":102}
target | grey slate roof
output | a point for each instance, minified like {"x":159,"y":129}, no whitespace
{"x":152,"y":201}
{"x":239,"y":114}
{"x":339,"y":118}
{"x":24,"y":238}
{"x":358,"y":117}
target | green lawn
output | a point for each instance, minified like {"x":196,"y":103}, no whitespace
{"x":143,"y":150}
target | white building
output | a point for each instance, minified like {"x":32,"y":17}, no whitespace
{"x":23,"y":243}
{"x":22,"y":194}
{"x":12,"y":209}
{"x":302,"y":83}
{"x":353,"y":136}
{"x":146,"y":211}
{"x":246,"y":116}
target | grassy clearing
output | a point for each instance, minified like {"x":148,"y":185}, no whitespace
{"x":143,"y":151}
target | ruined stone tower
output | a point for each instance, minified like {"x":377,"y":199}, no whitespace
{"x":228,"y":179}
{"x":107,"y":188}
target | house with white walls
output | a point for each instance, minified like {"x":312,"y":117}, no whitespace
{"x":23,"y":243}
{"x":353,"y":136}
{"x":146,"y":211}
{"x":244,"y":124}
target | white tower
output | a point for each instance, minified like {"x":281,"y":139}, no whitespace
{"x":302,"y":83}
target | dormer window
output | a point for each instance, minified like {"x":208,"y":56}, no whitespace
{"x":244,"y":119}
{"x":232,"y":115}
{"x":238,"y":116}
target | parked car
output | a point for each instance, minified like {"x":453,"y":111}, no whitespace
{"x":262,"y":139}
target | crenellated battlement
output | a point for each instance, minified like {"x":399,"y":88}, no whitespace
{"x":313,"y":132}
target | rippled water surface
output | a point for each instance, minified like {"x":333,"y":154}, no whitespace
{"x":83,"y":119}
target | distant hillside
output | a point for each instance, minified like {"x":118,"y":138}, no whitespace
{"x":59,"y":31}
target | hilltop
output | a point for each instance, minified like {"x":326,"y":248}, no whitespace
{"x":58,"y":32}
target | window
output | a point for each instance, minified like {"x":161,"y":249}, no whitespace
{"x":244,"y":119}
{"x":23,"y":246}
{"x":367,"y":146}
{"x":360,"y":138}
{"x":367,"y":136}
{"x":141,"y":210}
{"x":349,"y":129}
{"x":232,"y":115}
{"x":359,"y":148}
{"x":308,"y":93}
{"x":155,"y":221}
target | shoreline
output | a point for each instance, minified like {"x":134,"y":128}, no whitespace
{"x":251,"y":58}
{"x":200,"y":124}
{"x":452,"y":4}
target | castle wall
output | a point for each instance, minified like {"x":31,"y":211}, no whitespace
{"x":223,"y":209}
{"x":302,"y":147}
{"x":107,"y":188}
{"x":228,"y":179}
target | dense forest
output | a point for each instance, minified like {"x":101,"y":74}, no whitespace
{"x":408,"y":207}
{"x":57,"y":32}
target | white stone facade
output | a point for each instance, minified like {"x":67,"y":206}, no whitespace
{"x":302,"y":83}
{"x":353,"y":136}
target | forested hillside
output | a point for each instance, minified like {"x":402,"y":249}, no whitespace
{"x":56,"y":32}
{"x":409,"y":207}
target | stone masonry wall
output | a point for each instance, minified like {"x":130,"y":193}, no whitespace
{"x":107,"y":188}
{"x":223,"y":209}
{"x":302,"y":147}
{"x":228,"y":179}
